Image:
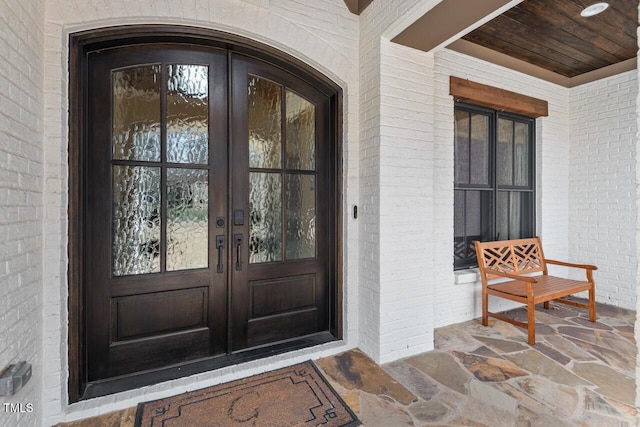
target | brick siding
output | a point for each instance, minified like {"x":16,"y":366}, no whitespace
{"x":21,"y":204}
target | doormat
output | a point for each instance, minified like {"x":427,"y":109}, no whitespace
{"x":298,"y":395}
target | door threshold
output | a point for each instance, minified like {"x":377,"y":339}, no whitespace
{"x":145,"y":378}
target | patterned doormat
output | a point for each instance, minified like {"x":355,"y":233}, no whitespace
{"x":294,"y":396}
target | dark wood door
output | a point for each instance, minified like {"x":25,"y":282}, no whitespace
{"x":201,"y":240}
{"x":282,"y":181}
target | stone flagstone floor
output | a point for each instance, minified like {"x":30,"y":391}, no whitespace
{"x":578,"y":374}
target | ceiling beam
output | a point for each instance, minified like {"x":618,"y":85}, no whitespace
{"x":449,"y":20}
{"x":357,"y":6}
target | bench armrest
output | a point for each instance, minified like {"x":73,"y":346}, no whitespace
{"x":569,"y":264}
{"x":510,"y":276}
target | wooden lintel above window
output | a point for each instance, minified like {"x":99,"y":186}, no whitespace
{"x":500,"y":99}
{"x":357,"y":6}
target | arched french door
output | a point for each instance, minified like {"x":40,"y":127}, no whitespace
{"x":207,"y":200}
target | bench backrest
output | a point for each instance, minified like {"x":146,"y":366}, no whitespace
{"x":521,"y":256}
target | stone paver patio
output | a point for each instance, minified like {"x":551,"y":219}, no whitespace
{"x":578,"y":374}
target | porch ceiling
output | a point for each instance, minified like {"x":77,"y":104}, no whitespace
{"x":544,"y":38}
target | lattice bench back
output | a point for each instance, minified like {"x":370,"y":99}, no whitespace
{"x":521,"y":256}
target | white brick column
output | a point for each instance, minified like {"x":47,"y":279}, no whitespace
{"x":396,"y":190}
{"x":406,"y":202}
{"x":637,"y":194}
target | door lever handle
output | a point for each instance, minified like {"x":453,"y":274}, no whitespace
{"x":238,"y":241}
{"x":220,"y":246}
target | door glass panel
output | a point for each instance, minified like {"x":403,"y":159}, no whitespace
{"x":187,"y":219}
{"x":504,"y":164}
{"x":462,"y":147}
{"x":265,"y":217}
{"x":479,"y":153}
{"x":265,"y":127}
{"x":187,"y":113}
{"x":136,"y":113}
{"x":521,"y":154}
{"x":301,"y":216}
{"x":300,"y":132}
{"x":136,"y":221}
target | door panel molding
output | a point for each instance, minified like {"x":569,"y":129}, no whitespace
{"x":185,"y":41}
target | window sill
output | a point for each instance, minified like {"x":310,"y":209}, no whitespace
{"x":469,"y":275}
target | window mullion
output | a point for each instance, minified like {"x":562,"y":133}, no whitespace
{"x":493,"y":146}
{"x":513,"y":153}
{"x":469,"y":151}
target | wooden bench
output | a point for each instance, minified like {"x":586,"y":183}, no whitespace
{"x":517,"y":260}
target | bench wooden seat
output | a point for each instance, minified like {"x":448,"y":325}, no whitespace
{"x":520,"y":260}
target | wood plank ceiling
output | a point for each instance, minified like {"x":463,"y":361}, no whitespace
{"x":551,"y":34}
{"x":544,"y":38}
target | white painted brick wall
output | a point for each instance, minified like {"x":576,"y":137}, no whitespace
{"x":322,"y":33}
{"x":461,"y":302}
{"x":637,"y":233}
{"x":603,"y":215}
{"x":21,"y":211}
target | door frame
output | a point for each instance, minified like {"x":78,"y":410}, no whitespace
{"x":80,"y":45}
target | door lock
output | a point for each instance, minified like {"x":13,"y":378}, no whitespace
{"x":238,"y":217}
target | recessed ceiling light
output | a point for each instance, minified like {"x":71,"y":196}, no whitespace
{"x":594,"y":9}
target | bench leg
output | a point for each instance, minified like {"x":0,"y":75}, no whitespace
{"x":531,"y":322}
{"x":546,"y":305}
{"x":485,"y":307}
{"x":592,"y":304}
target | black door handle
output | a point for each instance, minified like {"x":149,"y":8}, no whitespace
{"x":220,"y":246}
{"x":238,"y":240}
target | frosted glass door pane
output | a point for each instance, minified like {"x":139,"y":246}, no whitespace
{"x":136,"y":113}
{"x":187,"y":114}
{"x":265,"y":217}
{"x":265,"y":127}
{"x":300,"y":132}
{"x":136,"y":220}
{"x":301,"y":216}
{"x":187,"y":219}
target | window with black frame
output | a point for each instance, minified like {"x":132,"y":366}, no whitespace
{"x":494,"y":196}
